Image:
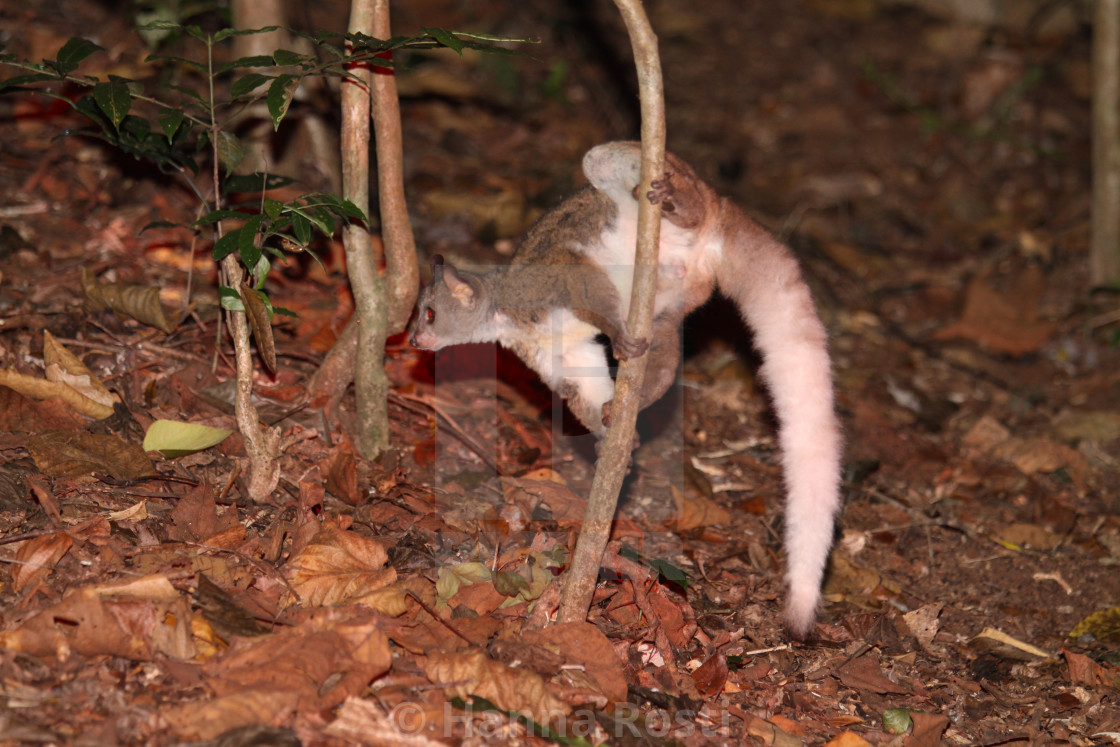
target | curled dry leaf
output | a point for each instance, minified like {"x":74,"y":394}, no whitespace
{"x":79,"y":456}
{"x":509,"y":688}
{"x":37,"y":388}
{"x":37,"y":557}
{"x":137,"y":621}
{"x":394,"y":600}
{"x":65,"y":367}
{"x":338,"y":566}
{"x":138,"y":302}
{"x":261,"y":324}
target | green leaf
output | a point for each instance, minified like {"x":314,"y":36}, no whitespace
{"x":280,"y":97}
{"x":445,"y":38}
{"x":159,"y":224}
{"x":509,"y":584}
{"x":231,"y":299}
{"x":301,"y":227}
{"x":352,"y":211}
{"x":189,"y":93}
{"x":195,"y":64}
{"x":72,"y":53}
{"x":285,"y":58}
{"x":665,"y":569}
{"x":114,"y":99}
{"x":169,"y":123}
{"x":896,"y":720}
{"x":314,"y":218}
{"x":137,"y":129}
{"x":174,"y":438}
{"x":197,"y":33}
{"x":227,"y":33}
{"x":260,"y":274}
{"x":450,"y":577}
{"x":216,"y":215}
{"x":260,"y":60}
{"x":247,"y":241}
{"x":226,"y":245}
{"x":285,"y":312}
{"x":272,"y":208}
{"x":230,"y":150}
{"x":17,"y":81}
{"x":159,"y":25}
{"x":248,"y":83}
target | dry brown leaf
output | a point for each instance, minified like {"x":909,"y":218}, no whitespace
{"x":1085,"y":671}
{"x":847,"y":739}
{"x":923,"y":624}
{"x":261,"y":325}
{"x":330,"y":656}
{"x":79,"y":456}
{"x":20,"y":414}
{"x":36,"y":388}
{"x":509,"y":688}
{"x":195,"y":515}
{"x":1035,"y":455}
{"x":137,"y":621}
{"x":992,"y":641}
{"x":37,"y":557}
{"x":697,"y":511}
{"x":864,"y":674}
{"x":927,"y":731}
{"x":209,"y":719}
{"x":338,"y":566}
{"x":139,"y":302}
{"x":584,"y":644}
{"x":395,"y":599}
{"x":341,"y":471}
{"x":1004,"y":322}
{"x":1104,"y":625}
{"x":986,"y":434}
{"x":365,"y":722}
{"x":563,"y":503}
{"x":1023,"y":534}
{"x":711,"y":676}
{"x":64,"y":367}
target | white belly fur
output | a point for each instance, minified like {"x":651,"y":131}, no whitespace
{"x":567,"y":350}
{"x":681,"y":253}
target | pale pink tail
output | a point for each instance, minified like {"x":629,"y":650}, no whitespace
{"x":763,"y":278}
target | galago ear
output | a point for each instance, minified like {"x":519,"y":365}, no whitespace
{"x":460,"y":287}
{"x":437,"y":266}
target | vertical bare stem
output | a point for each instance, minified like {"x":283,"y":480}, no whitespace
{"x":371,"y":386}
{"x":1104,"y":256}
{"x":615,"y":454}
{"x":401,"y":271}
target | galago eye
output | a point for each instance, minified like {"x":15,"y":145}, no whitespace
{"x":430,"y":315}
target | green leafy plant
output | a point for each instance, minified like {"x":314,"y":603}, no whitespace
{"x":183,"y":128}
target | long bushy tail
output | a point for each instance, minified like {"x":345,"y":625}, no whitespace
{"x":762,"y":277}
